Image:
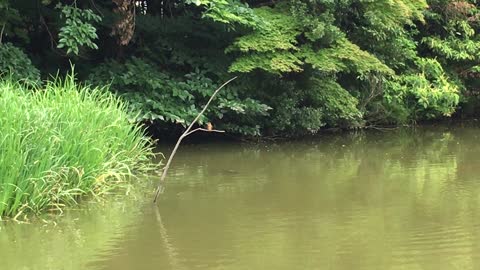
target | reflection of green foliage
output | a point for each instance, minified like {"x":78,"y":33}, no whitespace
{"x":410,"y":193}
{"x":400,"y":192}
{"x":77,"y":237}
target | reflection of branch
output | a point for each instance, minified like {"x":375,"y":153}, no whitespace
{"x":381,"y":128}
{"x":185,"y":134}
{"x":170,"y":249}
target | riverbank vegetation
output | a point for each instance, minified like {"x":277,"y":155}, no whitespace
{"x":303,"y":65}
{"x":61,"y":141}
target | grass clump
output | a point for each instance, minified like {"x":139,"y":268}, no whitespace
{"x":64,"y":141}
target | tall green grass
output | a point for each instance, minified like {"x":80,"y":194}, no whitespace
{"x":64,"y":141}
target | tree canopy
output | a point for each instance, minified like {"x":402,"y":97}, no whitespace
{"x":303,"y":64}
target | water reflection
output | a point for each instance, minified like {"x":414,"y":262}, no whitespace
{"x":397,"y":200}
{"x":67,"y":242}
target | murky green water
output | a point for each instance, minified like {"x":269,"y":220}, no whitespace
{"x":383,"y":200}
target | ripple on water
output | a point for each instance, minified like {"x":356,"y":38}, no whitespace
{"x":389,"y":201}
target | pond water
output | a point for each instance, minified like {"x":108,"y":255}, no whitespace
{"x":405,"y":199}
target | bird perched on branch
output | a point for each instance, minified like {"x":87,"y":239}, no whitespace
{"x":209,"y":126}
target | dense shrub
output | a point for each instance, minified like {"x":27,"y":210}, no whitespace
{"x":163,"y":97}
{"x":329,"y":63}
{"x":15,"y":64}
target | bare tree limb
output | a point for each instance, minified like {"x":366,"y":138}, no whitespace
{"x":1,"y":33}
{"x":187,"y":132}
{"x":206,"y":130}
{"x":95,"y":7}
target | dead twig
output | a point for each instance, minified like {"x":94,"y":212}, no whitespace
{"x":187,"y":132}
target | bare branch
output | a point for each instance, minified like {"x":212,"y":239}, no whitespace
{"x":1,"y":33}
{"x":95,"y":7}
{"x":185,"y":134}
{"x":208,"y":103}
{"x":204,"y":129}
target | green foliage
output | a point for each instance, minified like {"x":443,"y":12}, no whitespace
{"x":290,"y":117}
{"x":78,"y":30}
{"x":453,"y":48}
{"x":316,"y":20}
{"x":61,"y":142}
{"x":428,"y":94}
{"x":451,"y":37}
{"x":11,"y":23}
{"x":277,"y":63}
{"x":162,"y":97}
{"x":344,"y":56}
{"x":304,"y":107}
{"x":278,"y":33}
{"x":335,"y":63}
{"x":277,"y":47}
{"x":229,"y":12}
{"x":385,"y":16}
{"x":270,"y":46}
{"x":338,"y":105}
{"x":16,"y":65}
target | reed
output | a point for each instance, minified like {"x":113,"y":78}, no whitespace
{"x":62,"y":142}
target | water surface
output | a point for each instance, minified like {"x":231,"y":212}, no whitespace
{"x":407,"y":199}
